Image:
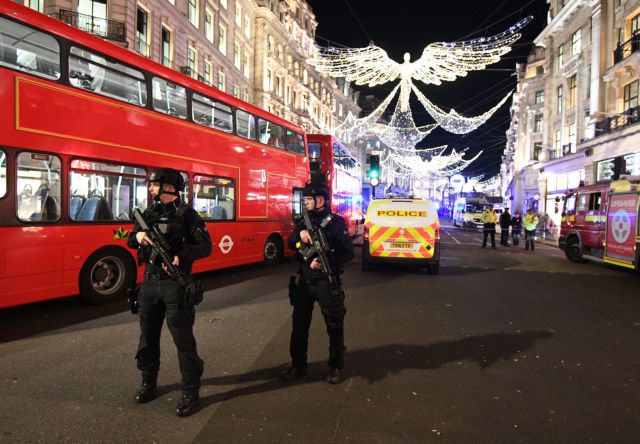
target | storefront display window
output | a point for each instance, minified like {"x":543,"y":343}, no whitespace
{"x":605,"y":170}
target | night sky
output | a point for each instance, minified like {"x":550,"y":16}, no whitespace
{"x":403,"y":26}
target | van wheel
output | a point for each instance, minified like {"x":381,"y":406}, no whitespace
{"x":106,"y":276}
{"x":434,"y":268}
{"x":573,"y":251}
{"x":272,"y":251}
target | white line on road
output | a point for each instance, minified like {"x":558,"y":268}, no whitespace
{"x":451,"y":235}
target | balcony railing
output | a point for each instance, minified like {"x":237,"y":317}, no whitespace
{"x":616,"y":123}
{"x":108,"y":29}
{"x":624,"y":50}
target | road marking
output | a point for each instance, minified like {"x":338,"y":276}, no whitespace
{"x":452,"y":237}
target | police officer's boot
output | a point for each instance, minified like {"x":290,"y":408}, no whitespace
{"x":188,"y":404}
{"x":147,"y":391}
{"x":335,"y":377}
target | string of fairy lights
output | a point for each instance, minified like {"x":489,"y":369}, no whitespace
{"x":440,"y":62}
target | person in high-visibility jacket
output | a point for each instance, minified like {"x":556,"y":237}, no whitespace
{"x":489,"y":219}
{"x":530,"y":222}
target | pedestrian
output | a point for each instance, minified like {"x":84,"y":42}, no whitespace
{"x":161,"y":295}
{"x":505,"y":223}
{"x":516,"y":228}
{"x":530,"y":222}
{"x":489,"y":220}
{"x":313,"y":285}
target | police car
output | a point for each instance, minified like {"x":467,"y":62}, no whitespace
{"x":403,"y":231}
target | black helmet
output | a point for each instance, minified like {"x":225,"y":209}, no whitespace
{"x":168,"y":175}
{"x":316,"y":189}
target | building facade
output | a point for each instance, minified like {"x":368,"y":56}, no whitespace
{"x":255,"y":50}
{"x":575,"y":111}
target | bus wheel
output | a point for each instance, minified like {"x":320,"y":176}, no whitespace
{"x":573,"y":251}
{"x":106,"y":276}
{"x":272,"y":250}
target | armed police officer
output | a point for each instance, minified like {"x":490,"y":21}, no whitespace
{"x":161,"y":294}
{"x":319,"y":283}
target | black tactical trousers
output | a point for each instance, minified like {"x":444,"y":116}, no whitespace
{"x":504,"y":236}
{"x":489,"y":232}
{"x":156,"y":299}
{"x":332,"y":305}
{"x":529,"y":238}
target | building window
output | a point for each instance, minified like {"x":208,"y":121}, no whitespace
{"x":630,"y":95}
{"x":166,"y":47}
{"x":537,"y":123}
{"x":142,"y":32}
{"x":223,"y":3}
{"x":560,"y":56}
{"x":193,"y":12}
{"x":238,"y":14}
{"x":539,"y":70}
{"x":572,"y":92}
{"x":247,"y":27}
{"x":222,"y":79}
{"x":632,"y":164}
{"x":279,"y":86}
{"x":236,"y":55}
{"x":207,"y":73}
{"x":245,"y":64}
{"x":245,"y":95}
{"x":635,"y":24}
{"x":537,"y":151}
{"x":268,"y":78}
{"x":236,"y":90}
{"x":305,"y":76}
{"x":37,"y":5}
{"x":560,"y":94}
{"x":539,"y":97}
{"x":572,"y":136}
{"x":208,"y":25}
{"x":576,"y":43}
{"x":557,"y":141}
{"x":192,"y":61}
{"x":222,"y":39}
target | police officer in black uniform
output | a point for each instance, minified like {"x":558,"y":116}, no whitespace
{"x":161,"y":295}
{"x":313,"y":285}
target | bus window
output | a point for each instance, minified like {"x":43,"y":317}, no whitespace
{"x":295,"y":142}
{"x":28,"y":50}
{"x":214,"y":197}
{"x":3,"y":173}
{"x":297,"y":202}
{"x":315,"y":149}
{"x":245,"y":124}
{"x":38,"y":197}
{"x":213,"y":114}
{"x":101,"y":191}
{"x":270,"y":134}
{"x":169,"y":98}
{"x":93,"y":72}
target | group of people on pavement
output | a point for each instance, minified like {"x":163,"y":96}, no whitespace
{"x":516,"y":223}
{"x":164,"y":294}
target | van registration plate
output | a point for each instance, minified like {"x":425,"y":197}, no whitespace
{"x":401,"y":245}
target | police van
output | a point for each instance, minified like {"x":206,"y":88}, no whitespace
{"x":403,"y":231}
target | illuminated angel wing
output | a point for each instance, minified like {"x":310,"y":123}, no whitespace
{"x":442,"y":61}
{"x":365,"y":66}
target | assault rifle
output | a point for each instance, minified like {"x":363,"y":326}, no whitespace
{"x":160,"y":247}
{"x":319,"y":248}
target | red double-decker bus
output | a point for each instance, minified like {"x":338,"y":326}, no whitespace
{"x":82,"y":125}
{"x":332,"y":163}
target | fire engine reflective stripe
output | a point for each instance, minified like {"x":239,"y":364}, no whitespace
{"x":563,"y":219}
{"x":572,"y":218}
{"x":594,"y":218}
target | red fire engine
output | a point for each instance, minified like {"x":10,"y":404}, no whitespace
{"x":600,"y":222}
